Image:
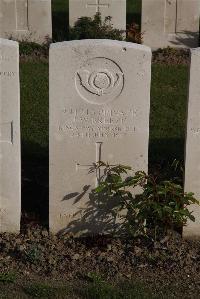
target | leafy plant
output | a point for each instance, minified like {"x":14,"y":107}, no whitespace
{"x":162,"y":205}
{"x":33,"y":255}
{"x":95,"y":28}
{"x":134,"y":34}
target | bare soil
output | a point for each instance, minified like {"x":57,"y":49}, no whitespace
{"x":172,"y":263}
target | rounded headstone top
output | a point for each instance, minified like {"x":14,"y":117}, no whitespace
{"x":195,"y":51}
{"x":104,"y":42}
{"x":8,"y":42}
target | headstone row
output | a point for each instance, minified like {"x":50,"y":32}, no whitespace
{"x":28,"y":20}
{"x":116,"y":9}
{"x":99,"y":110}
{"x":173,"y":23}
{"x":164,"y":22}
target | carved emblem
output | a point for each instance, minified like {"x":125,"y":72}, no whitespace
{"x":99,"y":81}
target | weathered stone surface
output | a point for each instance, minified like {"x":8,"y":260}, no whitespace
{"x":10,"y":165}
{"x":172,"y":23}
{"x":88,"y":8}
{"x":99,"y":110}
{"x":26,"y":19}
{"x":192,"y":156}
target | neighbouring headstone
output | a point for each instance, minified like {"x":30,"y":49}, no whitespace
{"x":10,"y":168}
{"x":26,"y":20}
{"x":88,"y":8}
{"x":192,"y":154}
{"x":172,"y":23}
{"x":99,"y":111}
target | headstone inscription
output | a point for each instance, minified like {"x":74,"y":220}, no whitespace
{"x":192,"y":153}
{"x":88,"y":8}
{"x":99,"y":111}
{"x":26,"y":19}
{"x":172,"y":23}
{"x":10,"y":168}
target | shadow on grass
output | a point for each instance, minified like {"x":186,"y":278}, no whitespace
{"x":60,"y":20}
{"x":134,"y":10}
{"x":165,"y":150}
{"x":35,"y":181}
{"x":133,"y":18}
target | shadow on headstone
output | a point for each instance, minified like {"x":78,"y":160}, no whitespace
{"x":186,"y":39}
{"x":100,"y":215}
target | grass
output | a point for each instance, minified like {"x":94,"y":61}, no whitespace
{"x":100,"y":289}
{"x":168,"y":112}
{"x":31,"y":288}
{"x":34,"y":107}
{"x":60,"y":19}
{"x":42,"y":290}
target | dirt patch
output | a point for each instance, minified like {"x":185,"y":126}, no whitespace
{"x":36,"y":252}
{"x":171,"y":56}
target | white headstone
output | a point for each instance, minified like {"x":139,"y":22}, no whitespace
{"x":10,"y":168}
{"x":88,"y":8}
{"x":172,"y":23}
{"x":99,"y":110}
{"x":192,"y":155}
{"x":26,"y":20}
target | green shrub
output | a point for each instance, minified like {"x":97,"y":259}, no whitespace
{"x":33,"y":49}
{"x":134,"y":34}
{"x":163,"y":205}
{"x":95,"y":28}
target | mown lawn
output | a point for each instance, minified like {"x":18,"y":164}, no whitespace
{"x":168,"y":112}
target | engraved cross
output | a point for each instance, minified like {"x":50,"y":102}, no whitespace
{"x":21,"y":15}
{"x":97,"y":5}
{"x":89,"y":166}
